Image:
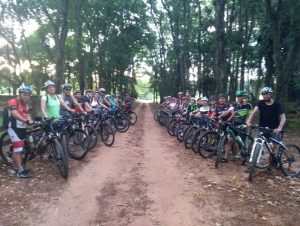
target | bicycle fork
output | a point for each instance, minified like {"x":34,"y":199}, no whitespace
{"x":258,"y":142}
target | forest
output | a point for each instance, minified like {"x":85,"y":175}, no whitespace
{"x":205,"y":46}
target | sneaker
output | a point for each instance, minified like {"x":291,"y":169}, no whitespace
{"x":248,"y":170}
{"x":23,"y":174}
{"x":225,"y":160}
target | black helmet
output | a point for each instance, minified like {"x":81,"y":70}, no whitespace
{"x":213,"y":97}
{"x":222,"y":95}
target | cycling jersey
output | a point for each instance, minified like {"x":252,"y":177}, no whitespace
{"x":241,"y":112}
{"x":222,"y":108}
{"x":15,"y":104}
{"x":192,"y":107}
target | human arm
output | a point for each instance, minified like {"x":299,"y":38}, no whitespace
{"x":43,"y":107}
{"x":251,"y":116}
{"x":281,"y":123}
{"x":62,"y":103}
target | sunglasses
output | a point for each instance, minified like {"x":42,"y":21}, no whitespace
{"x":265,"y":93}
{"x":68,"y":89}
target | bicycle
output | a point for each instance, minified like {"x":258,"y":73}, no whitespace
{"x":39,"y":138}
{"x":286,"y":157}
{"x":242,"y":139}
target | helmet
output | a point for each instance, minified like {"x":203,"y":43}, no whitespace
{"x":66,"y":86}
{"x":118,"y":94}
{"x":77,"y":91}
{"x":240,"y":93}
{"x":222,"y":95}
{"x":48,"y":83}
{"x":25,"y":89}
{"x":102,"y":90}
{"x":266,"y":90}
{"x":192,"y":98}
{"x":213,"y":97}
{"x":107,"y":95}
{"x":180,"y":93}
{"x":204,"y":99}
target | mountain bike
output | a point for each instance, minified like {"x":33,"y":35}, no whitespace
{"x":285,"y":157}
{"x":40,"y":138}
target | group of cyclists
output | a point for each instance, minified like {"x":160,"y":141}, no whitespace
{"x":218,"y":108}
{"x":53,"y":105}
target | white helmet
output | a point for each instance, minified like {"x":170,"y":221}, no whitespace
{"x":102,"y":90}
{"x":107,"y":95}
{"x":204,"y":99}
{"x":48,"y":83}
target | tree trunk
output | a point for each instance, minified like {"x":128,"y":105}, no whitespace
{"x":220,"y":39}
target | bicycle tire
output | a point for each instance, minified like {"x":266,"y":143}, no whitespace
{"x":188,"y":139}
{"x":65,"y":146}
{"x":93,"y":136}
{"x":106,"y":134}
{"x":170,"y":127}
{"x":220,"y":152}
{"x":254,"y":161}
{"x":133,"y":118}
{"x":78,"y":144}
{"x":181,"y":131}
{"x":6,"y":149}
{"x":196,"y":137}
{"x":122,"y":123}
{"x":60,"y":157}
{"x":289,"y":158}
{"x":208,"y":144}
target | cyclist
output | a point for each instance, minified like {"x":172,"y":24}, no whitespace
{"x":87,"y":100}
{"x":70,"y":101}
{"x":19,"y":116}
{"x":102,"y":100}
{"x":271,"y":113}
{"x":51,"y":103}
{"x":238,"y":113}
{"x":212,"y":106}
{"x":79,"y":98}
{"x":221,"y":107}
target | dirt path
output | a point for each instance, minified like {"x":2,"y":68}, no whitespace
{"x":148,"y":178}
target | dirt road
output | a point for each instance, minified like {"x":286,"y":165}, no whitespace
{"x":147,"y":178}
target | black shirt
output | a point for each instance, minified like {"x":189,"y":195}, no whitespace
{"x":269,"y":114}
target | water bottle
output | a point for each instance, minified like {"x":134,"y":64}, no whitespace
{"x":239,"y":139}
{"x":30,"y":139}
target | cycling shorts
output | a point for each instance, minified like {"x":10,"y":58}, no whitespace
{"x":17,"y":136}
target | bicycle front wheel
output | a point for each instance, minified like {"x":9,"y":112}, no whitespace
{"x":78,"y":144}
{"x":60,"y":158}
{"x":290,"y":160}
{"x":92,"y":134}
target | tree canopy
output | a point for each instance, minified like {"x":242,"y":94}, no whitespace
{"x":206,"y":46}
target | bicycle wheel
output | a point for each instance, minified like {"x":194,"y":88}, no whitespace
{"x":171,"y":127}
{"x":254,"y":161}
{"x":78,"y":144}
{"x":132,"y":118}
{"x":264,"y":159}
{"x":181,"y":131}
{"x":195,"y":139}
{"x":220,"y":152}
{"x":65,"y":146}
{"x":208,"y":144}
{"x":122,"y":123}
{"x":92,"y":134}
{"x":6,"y":149}
{"x":60,"y":158}
{"x":106,"y":133}
{"x":188,"y":139}
{"x":290,"y":160}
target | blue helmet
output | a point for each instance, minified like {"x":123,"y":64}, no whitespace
{"x":25,"y":89}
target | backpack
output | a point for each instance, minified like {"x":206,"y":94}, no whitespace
{"x":6,"y":116}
